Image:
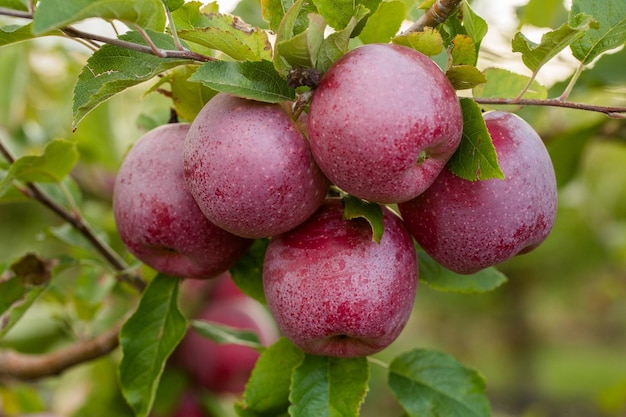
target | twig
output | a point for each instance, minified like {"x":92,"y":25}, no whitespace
{"x":611,"y":111}
{"x":435,"y":15}
{"x":14,"y":365}
{"x":15,"y":13}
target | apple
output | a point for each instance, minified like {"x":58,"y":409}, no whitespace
{"x":225,"y":368}
{"x":333,"y":291}
{"x":250,"y":169}
{"x":470,"y":225}
{"x":158,"y":219}
{"x":383,"y":123}
{"x":189,"y":406}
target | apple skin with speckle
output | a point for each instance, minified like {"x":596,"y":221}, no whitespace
{"x":334,"y":291}
{"x":383,"y":123}
{"x":470,"y":225}
{"x":158,"y":219}
{"x":250,"y":168}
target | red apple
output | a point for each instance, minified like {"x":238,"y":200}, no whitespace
{"x":333,"y":291}
{"x":383,"y":122}
{"x":157,"y":218}
{"x":225,"y":368}
{"x":250,"y":169}
{"x":470,"y":225}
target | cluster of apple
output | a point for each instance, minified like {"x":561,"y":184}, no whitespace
{"x":381,"y":126}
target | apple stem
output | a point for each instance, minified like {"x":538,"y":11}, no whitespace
{"x":435,"y":15}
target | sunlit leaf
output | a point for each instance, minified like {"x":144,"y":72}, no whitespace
{"x":384,"y":23}
{"x":611,"y":33}
{"x":302,"y":49}
{"x":55,"y":14}
{"x":463,"y":50}
{"x":147,"y":339}
{"x":463,"y":77}
{"x":429,"y":41}
{"x":274,"y":10}
{"x":337,"y":43}
{"x":474,"y":25}
{"x":256,"y":80}
{"x":434,"y":384}
{"x":507,"y":84}
{"x":475,"y":158}
{"x":329,"y":386}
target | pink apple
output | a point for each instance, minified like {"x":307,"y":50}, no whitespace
{"x":383,"y":122}
{"x":467,"y":226}
{"x":250,"y":169}
{"x":157,"y":218}
{"x":333,"y":291}
{"x":225,"y":368}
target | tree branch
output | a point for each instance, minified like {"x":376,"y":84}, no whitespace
{"x":15,"y":13}
{"x":435,"y":15}
{"x":15,"y":365}
{"x":611,"y":111}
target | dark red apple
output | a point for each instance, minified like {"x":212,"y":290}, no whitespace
{"x":250,"y":168}
{"x":333,"y":291}
{"x":225,"y":368}
{"x":383,"y":122}
{"x":470,"y":225}
{"x":157,"y":218}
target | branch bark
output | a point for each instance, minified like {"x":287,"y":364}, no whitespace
{"x":435,"y":15}
{"x":611,"y":111}
{"x":21,"y":366}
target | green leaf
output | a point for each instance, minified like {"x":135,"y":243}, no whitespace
{"x":429,"y":41}
{"x":248,"y":271}
{"x":230,"y":35}
{"x":463,"y":50}
{"x":475,"y":26}
{"x":337,"y":13}
{"x":354,"y":208}
{"x":56,"y":162}
{"x":507,"y":84}
{"x":337,"y":43}
{"x":147,"y":339}
{"x":611,"y":33}
{"x":302,"y":49}
{"x":13,"y":34}
{"x":542,"y":13}
{"x":328,"y":386}
{"x":112,"y":69}
{"x":442,"y":279}
{"x":189,"y":16}
{"x":220,"y":333}
{"x":475,"y":158}
{"x":536,"y":56}
{"x":55,"y":14}
{"x":173,"y":4}
{"x":433,"y":384}
{"x":267,"y":390}
{"x":15,"y":4}
{"x":384,"y":23}
{"x":463,"y":77}
{"x":256,"y":80}
{"x":273,"y":11}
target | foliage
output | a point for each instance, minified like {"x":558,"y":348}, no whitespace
{"x":88,"y":287}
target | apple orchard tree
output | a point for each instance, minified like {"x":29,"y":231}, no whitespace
{"x":261,"y":244}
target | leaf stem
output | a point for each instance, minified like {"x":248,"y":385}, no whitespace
{"x":435,"y":15}
{"x":572,"y":82}
{"x":611,"y":111}
{"x":378,"y":362}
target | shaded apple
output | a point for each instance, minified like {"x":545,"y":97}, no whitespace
{"x":383,"y":122}
{"x":157,"y":218}
{"x":225,"y":368}
{"x":333,"y":291}
{"x":250,"y":168}
{"x":470,"y":225}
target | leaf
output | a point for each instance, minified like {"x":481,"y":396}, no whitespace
{"x":337,"y":43}
{"x":302,"y":49}
{"x":384,"y":23}
{"x":56,"y":162}
{"x":15,"y":4}
{"x":267,"y":390}
{"x":611,"y":33}
{"x":55,"y":14}
{"x":230,"y":35}
{"x":507,"y":84}
{"x":329,"y":386}
{"x":536,"y":56}
{"x":542,"y":13}
{"x":248,"y":271}
{"x":173,"y":4}
{"x":256,"y":80}
{"x":475,"y":26}
{"x":442,"y":279}
{"x":429,"y":41}
{"x":274,"y":10}
{"x":147,"y":339}
{"x":220,"y":333}
{"x":475,"y":158}
{"x":354,"y":208}
{"x":112,"y":69}
{"x":13,"y":34}
{"x":463,"y":77}
{"x":463,"y":50}
{"x":337,"y":13}
{"x":433,"y":384}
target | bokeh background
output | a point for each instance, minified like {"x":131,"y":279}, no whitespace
{"x":551,"y":342}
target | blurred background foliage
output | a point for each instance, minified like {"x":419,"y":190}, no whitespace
{"x":550,"y":342}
